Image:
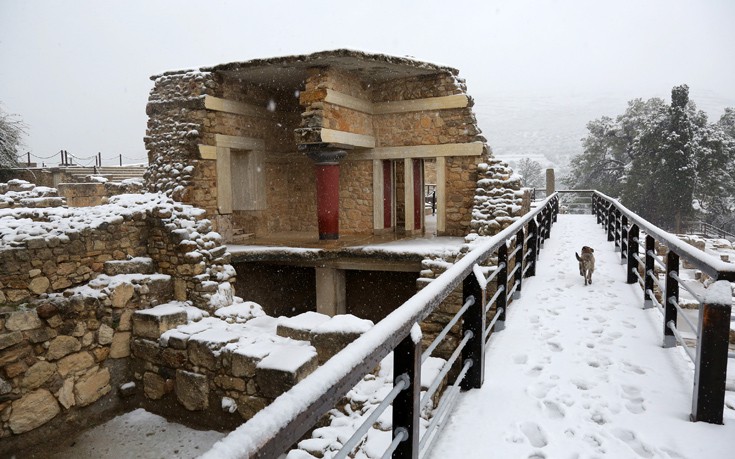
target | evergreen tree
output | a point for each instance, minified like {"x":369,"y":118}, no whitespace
{"x":663,"y":161}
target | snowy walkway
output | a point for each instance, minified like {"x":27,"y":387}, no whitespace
{"x":579,"y":372}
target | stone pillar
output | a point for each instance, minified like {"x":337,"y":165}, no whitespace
{"x":550,"y":183}
{"x":327,"y":190}
{"x":331,"y":291}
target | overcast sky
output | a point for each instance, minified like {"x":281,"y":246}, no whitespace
{"x":78,"y":71}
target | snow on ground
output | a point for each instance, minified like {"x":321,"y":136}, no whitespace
{"x":579,"y":372}
{"x":138,"y":435}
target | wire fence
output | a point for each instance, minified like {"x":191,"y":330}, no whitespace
{"x":66,"y":158}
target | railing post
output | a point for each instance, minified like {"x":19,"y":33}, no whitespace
{"x":623,"y":239}
{"x":710,"y":369}
{"x":406,"y":408}
{"x":632,"y":253}
{"x":520,"y":235}
{"x":532,"y":247}
{"x":611,"y":223}
{"x":474,"y":322}
{"x":618,"y":232}
{"x":555,"y":209}
{"x":542,"y":228}
{"x":647,"y":280}
{"x":502,"y":277}
{"x":672,"y":293}
{"x":598,"y":209}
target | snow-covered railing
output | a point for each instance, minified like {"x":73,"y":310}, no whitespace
{"x":712,"y":332}
{"x":281,"y":424}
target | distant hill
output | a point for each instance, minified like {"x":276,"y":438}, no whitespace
{"x":548,"y":128}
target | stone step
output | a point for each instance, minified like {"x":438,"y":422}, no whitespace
{"x":138,"y":265}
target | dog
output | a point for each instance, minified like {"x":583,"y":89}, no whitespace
{"x":586,"y":264}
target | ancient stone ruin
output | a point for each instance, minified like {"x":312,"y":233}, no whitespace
{"x":315,"y":165}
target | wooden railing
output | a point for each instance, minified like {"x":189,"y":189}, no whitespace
{"x":281,"y":424}
{"x":625,"y":229}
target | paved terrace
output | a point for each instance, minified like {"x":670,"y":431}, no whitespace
{"x":579,"y":372}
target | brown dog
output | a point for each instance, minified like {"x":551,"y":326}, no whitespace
{"x":586,"y":264}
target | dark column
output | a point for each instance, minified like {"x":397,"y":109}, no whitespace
{"x":327,"y":190}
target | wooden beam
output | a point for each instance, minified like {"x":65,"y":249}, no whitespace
{"x":441,"y":195}
{"x":408,"y":194}
{"x":224,"y":181}
{"x":418,"y":151}
{"x":347,"y":138}
{"x":239,"y":108}
{"x":241,"y":143}
{"x":378,"y":223}
{"x":418,"y":105}
{"x":207,"y":152}
{"x":347,"y":101}
{"x":398,"y":106}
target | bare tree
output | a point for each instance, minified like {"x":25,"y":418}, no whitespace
{"x":12,"y":130}
{"x":531,"y":172}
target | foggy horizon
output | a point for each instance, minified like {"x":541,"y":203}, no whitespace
{"x":78,"y":72}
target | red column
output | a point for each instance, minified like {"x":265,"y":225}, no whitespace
{"x":327,"y":191}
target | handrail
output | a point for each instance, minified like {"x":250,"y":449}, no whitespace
{"x":708,"y":264}
{"x":712,"y":332}
{"x":292,"y":414}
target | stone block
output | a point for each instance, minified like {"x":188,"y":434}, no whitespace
{"x":248,"y":406}
{"x":33,"y":410}
{"x":23,"y":320}
{"x":205,"y":348}
{"x":105,"y":335}
{"x":75,"y":363}
{"x":10,"y":339}
{"x":146,"y":350}
{"x":334,"y":335}
{"x":92,"y":386}
{"x":154,"y":386}
{"x":139,"y":265}
{"x":121,"y":295}
{"x":192,"y":390}
{"x":126,"y":321}
{"x":40,"y":335}
{"x":151,"y":323}
{"x":285,"y":366}
{"x":299,"y":327}
{"x":62,"y":346}
{"x":15,"y":353}
{"x":37,"y":375}
{"x":66,"y":394}
{"x":120,"y":346}
{"x":245,"y":359}
{"x":15,"y":369}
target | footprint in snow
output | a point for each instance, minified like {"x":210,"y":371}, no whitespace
{"x":553,"y":410}
{"x":520,"y":359}
{"x":629,"y":438}
{"x":539,"y":389}
{"x":632,"y":368}
{"x":627,"y":324}
{"x":634,"y":402}
{"x":535,"y":434}
{"x":535,"y":371}
{"x":554,"y":346}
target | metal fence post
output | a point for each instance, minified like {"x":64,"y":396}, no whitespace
{"x":710,"y":371}
{"x":672,"y":293}
{"x":520,"y":236}
{"x":406,"y":409}
{"x":610,"y":223}
{"x":502,"y":279}
{"x":632,"y":253}
{"x":474,"y":322}
{"x":618,"y":231}
{"x":623,"y":238}
{"x":532,"y":247}
{"x":647,"y":280}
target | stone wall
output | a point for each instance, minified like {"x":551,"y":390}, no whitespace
{"x":52,"y":249}
{"x":63,"y":357}
{"x":356,"y":197}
